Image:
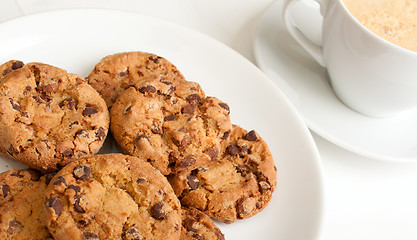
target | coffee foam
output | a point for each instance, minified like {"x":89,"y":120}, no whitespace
{"x":393,"y":20}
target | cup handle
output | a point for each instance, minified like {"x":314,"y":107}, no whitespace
{"x":313,"y":49}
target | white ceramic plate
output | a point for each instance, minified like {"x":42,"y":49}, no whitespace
{"x":77,"y":39}
{"x":305,"y":84}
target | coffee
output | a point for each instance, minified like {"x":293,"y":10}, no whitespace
{"x":393,"y":20}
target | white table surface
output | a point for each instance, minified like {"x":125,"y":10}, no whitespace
{"x":364,"y":198}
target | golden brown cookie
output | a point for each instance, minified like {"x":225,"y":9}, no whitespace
{"x":112,"y":196}
{"x":174,"y":127}
{"x":22,"y":194}
{"x":115,"y":72}
{"x":197,"y":225}
{"x":237,"y":185}
{"x":48,"y":117}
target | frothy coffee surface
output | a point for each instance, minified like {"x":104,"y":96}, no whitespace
{"x":394,"y":20}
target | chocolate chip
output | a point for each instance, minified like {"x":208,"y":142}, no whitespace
{"x":240,"y":207}
{"x":14,"y":227}
{"x":132,"y":234}
{"x":157,"y":211}
{"x":124,"y":73}
{"x":170,"y":118}
{"x":140,"y":74}
{"x":140,"y":137}
{"x":225,"y":135}
{"x":75,"y":188}
{"x":82,"y":172}
{"x":166,"y":82}
{"x":89,"y":235}
{"x":242,"y":170}
{"x":212,"y":152}
{"x":197,"y":236}
{"x":188,"y":109}
{"x":141,"y":180}
{"x":17,"y":65}
{"x":28,"y":88}
{"x":154,"y":59}
{"x":83,"y":223}
{"x":71,"y":103}
{"x":189,"y":224}
{"x":264,"y":187}
{"x":45,"y":97}
{"x":68,"y":152}
{"x":88,"y":111}
{"x":15,"y":105}
{"x":82,"y":133}
{"x":5,"y":190}
{"x":55,"y":204}
{"x":50,"y":88}
{"x":193,"y":98}
{"x":77,"y":206}
{"x":251,"y":136}
{"x":225,"y":106}
{"x":156,"y":129}
{"x":192,"y":182}
{"x":186,"y":161}
{"x":147,"y":89}
{"x":232,"y":149}
{"x":100,"y":134}
{"x":7,"y":71}
{"x":60,"y":180}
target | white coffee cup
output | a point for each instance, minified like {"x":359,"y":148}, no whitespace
{"x":368,"y":73}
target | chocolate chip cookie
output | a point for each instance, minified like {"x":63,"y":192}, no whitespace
{"x":22,"y":195}
{"x":48,"y":117}
{"x":174,"y":127}
{"x":112,"y":196}
{"x":237,"y":185}
{"x":115,"y":72}
{"x":197,"y":225}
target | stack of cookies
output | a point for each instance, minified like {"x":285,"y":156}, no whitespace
{"x":184,"y":162}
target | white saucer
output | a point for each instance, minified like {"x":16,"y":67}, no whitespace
{"x":305,"y":83}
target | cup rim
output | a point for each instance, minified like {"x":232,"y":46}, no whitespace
{"x":374,"y":35}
